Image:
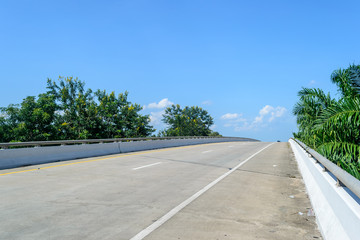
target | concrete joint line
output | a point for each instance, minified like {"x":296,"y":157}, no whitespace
{"x":182,"y":205}
{"x":182,"y":161}
{"x":268,"y":174}
{"x":119,"y":146}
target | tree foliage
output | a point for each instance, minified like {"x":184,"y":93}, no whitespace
{"x":121,"y":118}
{"x":31,"y":121}
{"x":332,"y":126}
{"x":69,"y":111}
{"x":189,"y":121}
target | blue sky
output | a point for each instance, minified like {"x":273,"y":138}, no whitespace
{"x":243,"y":61}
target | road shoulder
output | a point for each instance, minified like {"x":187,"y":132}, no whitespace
{"x":263,"y":199}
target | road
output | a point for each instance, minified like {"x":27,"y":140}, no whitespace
{"x":237,"y":190}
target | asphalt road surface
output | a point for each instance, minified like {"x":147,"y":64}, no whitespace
{"x":237,"y":190}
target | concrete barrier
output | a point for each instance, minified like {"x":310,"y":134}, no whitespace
{"x":156,"y":144}
{"x":11,"y":158}
{"x":337,"y":210}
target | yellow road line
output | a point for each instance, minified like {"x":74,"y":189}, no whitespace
{"x":101,"y":159}
{"x":29,"y":170}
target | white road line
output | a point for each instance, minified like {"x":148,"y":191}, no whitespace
{"x":207,"y":151}
{"x":146,"y":166}
{"x":175,"y":210}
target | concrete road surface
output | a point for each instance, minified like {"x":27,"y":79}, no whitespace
{"x":238,"y":190}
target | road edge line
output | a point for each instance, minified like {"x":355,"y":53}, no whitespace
{"x":145,"y":166}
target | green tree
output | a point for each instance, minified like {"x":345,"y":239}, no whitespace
{"x":347,"y":81}
{"x":69,"y":111}
{"x":8,"y":122}
{"x":120,"y":118}
{"x":330,"y":126}
{"x":312,"y":102}
{"x":85,"y":114}
{"x":215,"y":134}
{"x":190,"y":121}
{"x":5,"y":129}
{"x":77,"y":117}
{"x":32,"y":121}
{"x":339,"y":134}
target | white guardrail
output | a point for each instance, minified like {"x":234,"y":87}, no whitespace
{"x":334,"y":194}
{"x":30,"y":153}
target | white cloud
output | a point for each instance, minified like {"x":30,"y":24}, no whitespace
{"x":312,"y":82}
{"x":234,"y":120}
{"x":271,"y":111}
{"x":230,"y":116}
{"x":265,"y":110}
{"x":244,"y":127}
{"x":207,"y":102}
{"x":258,"y":119}
{"x":162,"y":104}
{"x":278,"y":112}
{"x":266,"y":115}
{"x":262,"y":113}
{"x":155,"y":118}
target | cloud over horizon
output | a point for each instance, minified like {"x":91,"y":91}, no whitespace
{"x":266,"y":115}
{"x":230,"y":116}
{"x":155,"y":118}
{"x":163,"y":103}
{"x":271,"y":112}
{"x":207,"y":102}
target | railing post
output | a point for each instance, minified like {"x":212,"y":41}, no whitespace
{"x":339,"y":183}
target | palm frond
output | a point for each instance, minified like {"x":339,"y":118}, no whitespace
{"x":340,"y":115}
{"x":354,"y":73}
{"x":344,"y":154}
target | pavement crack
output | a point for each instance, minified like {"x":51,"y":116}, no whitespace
{"x":270,"y":174}
{"x":182,"y":161}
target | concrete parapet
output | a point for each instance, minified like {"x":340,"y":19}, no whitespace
{"x":11,"y":158}
{"x":336,"y":208}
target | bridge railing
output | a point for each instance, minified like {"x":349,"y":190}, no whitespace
{"x":109,"y":140}
{"x":17,"y":154}
{"x":343,"y":178}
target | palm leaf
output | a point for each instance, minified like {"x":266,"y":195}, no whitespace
{"x":354,"y":73}
{"x":344,"y":154}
